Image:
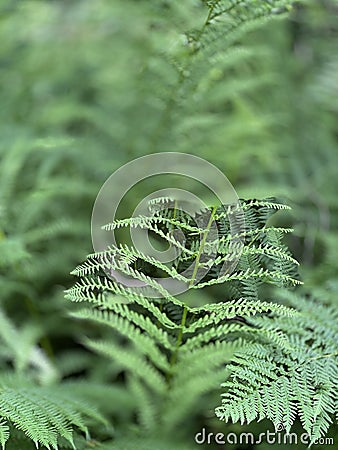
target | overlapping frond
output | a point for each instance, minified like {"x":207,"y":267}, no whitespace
{"x":44,"y":414}
{"x":175,"y":353}
{"x":283,"y":384}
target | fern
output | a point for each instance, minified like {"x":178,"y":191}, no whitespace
{"x":298,"y":381}
{"x":265,"y":114}
{"x":31,"y":400}
{"x":174,"y":352}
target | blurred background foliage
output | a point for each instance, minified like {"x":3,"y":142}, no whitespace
{"x":88,"y":86}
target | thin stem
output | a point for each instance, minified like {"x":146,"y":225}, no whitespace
{"x":328,"y":355}
{"x":174,"y":355}
{"x":201,"y":247}
{"x":206,"y":23}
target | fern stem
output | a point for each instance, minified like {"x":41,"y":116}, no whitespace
{"x":328,"y":355}
{"x":206,"y":23}
{"x":201,"y":247}
{"x":173,"y":358}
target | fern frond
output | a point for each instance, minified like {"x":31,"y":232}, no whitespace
{"x":146,"y":403}
{"x":265,"y":275}
{"x":4,"y":433}
{"x":305,"y":372}
{"x":243,"y":307}
{"x":127,"y":359}
{"x":262,"y":347}
{"x":87,"y":290}
{"x":125,"y":327}
{"x":44,"y":414}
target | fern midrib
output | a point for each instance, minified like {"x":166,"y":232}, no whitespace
{"x":201,"y":247}
{"x":206,"y":23}
{"x":174,"y":355}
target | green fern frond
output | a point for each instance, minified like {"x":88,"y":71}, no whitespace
{"x":243,"y":307}
{"x":265,"y":275}
{"x":20,"y":348}
{"x":45,"y":414}
{"x":128,"y":359}
{"x":235,"y":17}
{"x":125,"y":327}
{"x":146,"y":403}
{"x":301,"y":379}
{"x":4,"y":433}
{"x":262,"y":347}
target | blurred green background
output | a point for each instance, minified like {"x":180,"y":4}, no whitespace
{"x":87,"y":86}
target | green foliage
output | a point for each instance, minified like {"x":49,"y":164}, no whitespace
{"x":87,"y":87}
{"x":297,"y":380}
{"x":44,"y":413}
{"x":174,"y":352}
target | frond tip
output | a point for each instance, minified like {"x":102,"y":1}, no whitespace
{"x":225,"y":244}
{"x":4,"y":433}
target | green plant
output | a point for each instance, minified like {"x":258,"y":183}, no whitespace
{"x":33,"y":405}
{"x":87,"y":87}
{"x":174,"y":353}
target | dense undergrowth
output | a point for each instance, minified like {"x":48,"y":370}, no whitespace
{"x":85,"y":88}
